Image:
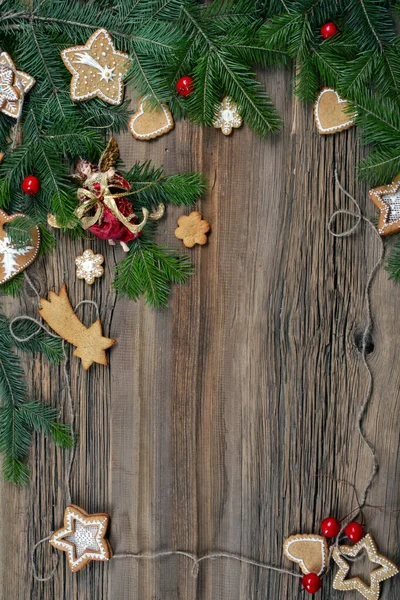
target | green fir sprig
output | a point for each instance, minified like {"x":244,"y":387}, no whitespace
{"x":19,"y":417}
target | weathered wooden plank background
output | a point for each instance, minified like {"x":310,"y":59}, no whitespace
{"x":207,"y":428}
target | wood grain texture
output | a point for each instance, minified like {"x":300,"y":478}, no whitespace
{"x":214,"y":416}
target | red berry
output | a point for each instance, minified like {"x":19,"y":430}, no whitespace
{"x":184,"y":86}
{"x":31,"y":185}
{"x":311,"y":583}
{"x":328,"y":30}
{"x":354,"y":531}
{"x":330,"y":527}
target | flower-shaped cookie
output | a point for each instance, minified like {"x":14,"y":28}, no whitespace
{"x":192,"y":229}
{"x":227,"y":116}
{"x":88,"y":266}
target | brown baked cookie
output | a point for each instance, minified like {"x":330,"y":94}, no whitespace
{"x":82,"y":537}
{"x":14,"y":259}
{"x":148,"y":123}
{"x":192,"y":229}
{"x":97,"y":68}
{"x":387,"y":199}
{"x":309,"y":551}
{"x":330,"y":113}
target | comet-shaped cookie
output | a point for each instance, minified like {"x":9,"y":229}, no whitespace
{"x":89,"y":341}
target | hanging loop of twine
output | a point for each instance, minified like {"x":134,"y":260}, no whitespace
{"x":359,"y":217}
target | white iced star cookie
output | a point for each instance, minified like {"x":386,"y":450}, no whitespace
{"x":82,"y":537}
{"x":97,"y":68}
{"x":88,"y":266}
{"x":227,"y":116}
{"x":13,"y":86}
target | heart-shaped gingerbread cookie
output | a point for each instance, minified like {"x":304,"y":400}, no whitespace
{"x":309,"y":551}
{"x":13,"y":260}
{"x":330,"y":113}
{"x":148,"y":123}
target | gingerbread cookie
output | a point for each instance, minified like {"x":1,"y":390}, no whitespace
{"x":97,"y":68}
{"x":227,"y":116}
{"x":13,"y":86}
{"x":385,"y":570}
{"x":88,"y":266}
{"x":192,"y":229}
{"x":330,"y":113}
{"x":89,"y":341}
{"x":387,"y":199}
{"x":13,"y":260}
{"x":82,"y":537}
{"x":148,"y":123}
{"x":309,"y":551}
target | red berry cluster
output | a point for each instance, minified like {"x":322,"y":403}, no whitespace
{"x":330,"y":527}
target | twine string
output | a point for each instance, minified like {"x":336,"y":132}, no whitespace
{"x":209,"y":556}
{"x":359,"y":217}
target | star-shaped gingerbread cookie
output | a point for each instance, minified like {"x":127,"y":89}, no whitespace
{"x":387,"y":199}
{"x":385,"y":570}
{"x":82,"y":537}
{"x":13,"y":86}
{"x":97,"y":68}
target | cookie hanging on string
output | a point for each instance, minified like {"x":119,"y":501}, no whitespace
{"x":331,"y":113}
{"x":227,"y":116}
{"x":387,"y":199}
{"x":150,"y":122}
{"x":83,"y":537}
{"x":14,"y":258}
{"x":14,"y":85}
{"x":89,"y":341}
{"x":385,"y":570}
{"x":97,"y":69}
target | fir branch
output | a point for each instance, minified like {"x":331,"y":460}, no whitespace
{"x":149,"y":270}
{"x":19,"y":417}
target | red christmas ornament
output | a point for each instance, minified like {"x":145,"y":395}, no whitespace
{"x":330,"y":527}
{"x":354,"y":531}
{"x":328,"y":30}
{"x":311,"y":583}
{"x":184,"y":86}
{"x":30,"y":185}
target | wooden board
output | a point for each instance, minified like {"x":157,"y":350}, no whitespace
{"x":214,"y":416}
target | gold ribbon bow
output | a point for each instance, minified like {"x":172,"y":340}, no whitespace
{"x":92,"y":201}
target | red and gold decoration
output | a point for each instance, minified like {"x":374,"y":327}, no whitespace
{"x":83,"y":537}
{"x":104,"y":207}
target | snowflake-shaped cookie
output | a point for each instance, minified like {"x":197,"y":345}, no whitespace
{"x":82,"y":537}
{"x":97,"y":68}
{"x":88,"y":266}
{"x":13,"y":86}
{"x":227,"y":116}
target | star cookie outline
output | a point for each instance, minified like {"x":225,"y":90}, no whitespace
{"x":57,"y":540}
{"x":376,"y":196}
{"x":23,"y":82}
{"x":387,"y":568}
{"x":67,"y":56}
